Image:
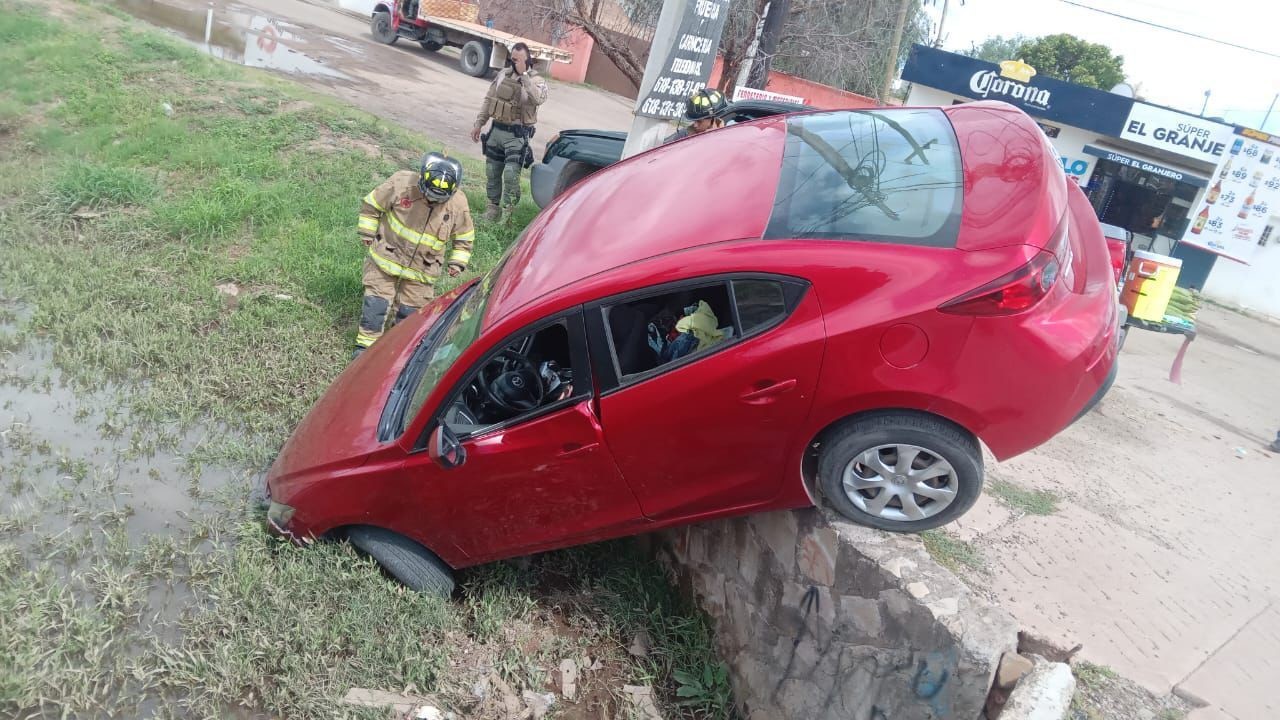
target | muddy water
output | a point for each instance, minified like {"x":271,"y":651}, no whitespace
{"x":240,"y":35}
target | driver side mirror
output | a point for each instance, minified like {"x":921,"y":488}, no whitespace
{"x":445,"y":448}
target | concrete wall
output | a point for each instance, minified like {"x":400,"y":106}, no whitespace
{"x":818,"y":618}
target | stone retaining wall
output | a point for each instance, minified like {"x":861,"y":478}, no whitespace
{"x":819,"y":618}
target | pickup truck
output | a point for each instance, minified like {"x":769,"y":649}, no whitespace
{"x":575,"y":154}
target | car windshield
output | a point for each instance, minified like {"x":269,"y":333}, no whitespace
{"x":446,"y":346}
{"x":887,"y":176}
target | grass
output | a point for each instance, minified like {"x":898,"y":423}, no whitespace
{"x":1032,"y":502}
{"x":954,"y":554}
{"x":117,"y":220}
{"x":1091,"y":675}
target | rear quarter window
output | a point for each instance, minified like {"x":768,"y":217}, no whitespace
{"x":877,"y":175}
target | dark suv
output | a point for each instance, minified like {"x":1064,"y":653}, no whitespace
{"x":574,"y":154}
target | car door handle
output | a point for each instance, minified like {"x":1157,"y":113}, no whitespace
{"x":768,"y":392}
{"x":572,"y":449}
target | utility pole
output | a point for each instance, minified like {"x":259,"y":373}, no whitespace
{"x":1267,"y":117}
{"x":775,"y":17}
{"x":942,"y":23}
{"x":894,"y":47}
{"x":1205,"y":106}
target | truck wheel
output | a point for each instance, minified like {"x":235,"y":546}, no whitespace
{"x":474,"y":58}
{"x":430,"y":46}
{"x":382,"y":30}
{"x":573,"y":173}
{"x":410,"y":563}
{"x":903,"y":472}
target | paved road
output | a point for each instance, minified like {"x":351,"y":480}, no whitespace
{"x":1162,"y":557}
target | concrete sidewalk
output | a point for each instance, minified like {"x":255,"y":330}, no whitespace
{"x":1160,"y":558}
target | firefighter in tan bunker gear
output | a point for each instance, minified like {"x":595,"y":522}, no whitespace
{"x":407,"y":223}
{"x":512,"y":103}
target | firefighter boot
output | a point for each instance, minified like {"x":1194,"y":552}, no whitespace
{"x":491,"y":212}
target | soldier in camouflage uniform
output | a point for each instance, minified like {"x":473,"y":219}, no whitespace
{"x":512,"y":103}
{"x":407,"y":222}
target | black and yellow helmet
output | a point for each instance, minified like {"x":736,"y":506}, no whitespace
{"x":707,"y":102}
{"x":439,"y":177}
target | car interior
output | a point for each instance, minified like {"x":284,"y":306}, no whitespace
{"x":531,"y":372}
{"x":656,"y":330}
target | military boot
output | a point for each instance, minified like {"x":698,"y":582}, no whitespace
{"x":492,"y":212}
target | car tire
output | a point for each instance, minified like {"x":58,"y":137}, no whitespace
{"x":574,"y":172}
{"x":430,"y":45}
{"x":407,"y":561}
{"x":383,"y":32}
{"x":854,"y":488}
{"x":474,"y":58}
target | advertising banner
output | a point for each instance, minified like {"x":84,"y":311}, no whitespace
{"x":1243,"y":195}
{"x":688,"y":64}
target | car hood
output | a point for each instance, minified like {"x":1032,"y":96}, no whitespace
{"x":341,"y":430}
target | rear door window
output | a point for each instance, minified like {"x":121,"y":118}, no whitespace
{"x":878,"y":175}
{"x":651,"y":331}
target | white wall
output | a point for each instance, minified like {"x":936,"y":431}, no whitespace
{"x":1255,"y":286}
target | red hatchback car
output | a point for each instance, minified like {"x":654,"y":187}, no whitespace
{"x":834,"y":307}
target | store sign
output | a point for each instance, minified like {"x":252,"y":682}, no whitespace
{"x":1235,"y":210}
{"x":1012,"y":83}
{"x":1018,"y":84}
{"x":1177,"y":132}
{"x":1146,"y":166}
{"x":1077,"y":169}
{"x":688,"y":64}
{"x":746,"y":93}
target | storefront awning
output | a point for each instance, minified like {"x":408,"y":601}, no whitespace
{"x":1173,"y":173}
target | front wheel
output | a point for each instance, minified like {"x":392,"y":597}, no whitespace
{"x":430,"y":45}
{"x":407,"y":561}
{"x":382,"y":29}
{"x":902,"y":472}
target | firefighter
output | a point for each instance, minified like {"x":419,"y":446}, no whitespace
{"x":512,"y":103}
{"x":407,"y":223}
{"x":702,"y":111}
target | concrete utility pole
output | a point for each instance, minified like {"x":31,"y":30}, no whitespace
{"x":644,"y":128}
{"x":894,"y":47}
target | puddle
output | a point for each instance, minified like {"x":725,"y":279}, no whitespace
{"x":235,"y":35}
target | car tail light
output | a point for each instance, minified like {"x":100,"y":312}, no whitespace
{"x":1011,"y":293}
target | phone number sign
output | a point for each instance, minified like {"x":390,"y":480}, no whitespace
{"x":689,"y":60}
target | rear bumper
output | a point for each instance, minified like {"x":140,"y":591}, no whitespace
{"x":543,"y":179}
{"x":1102,"y":391}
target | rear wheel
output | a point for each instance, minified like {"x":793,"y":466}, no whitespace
{"x":407,"y":561}
{"x":474,"y":58}
{"x":903,"y":472}
{"x":382,"y":29}
{"x":430,"y":45}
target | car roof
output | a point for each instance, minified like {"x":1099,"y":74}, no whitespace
{"x":648,"y":205}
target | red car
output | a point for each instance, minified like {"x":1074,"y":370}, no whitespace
{"x":837,"y":308}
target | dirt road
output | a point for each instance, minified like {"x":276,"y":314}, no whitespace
{"x":1160,"y":556}
{"x":330,"y":50}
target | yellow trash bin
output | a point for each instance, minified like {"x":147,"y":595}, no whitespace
{"x":1148,"y":284}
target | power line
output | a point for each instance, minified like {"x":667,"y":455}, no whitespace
{"x":1171,"y":29}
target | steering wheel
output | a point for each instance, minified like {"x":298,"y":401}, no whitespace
{"x":510,"y":381}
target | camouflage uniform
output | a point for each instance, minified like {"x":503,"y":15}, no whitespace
{"x":409,"y":235}
{"x":512,"y":102}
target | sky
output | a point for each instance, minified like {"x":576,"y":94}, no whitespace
{"x":1168,"y":68}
